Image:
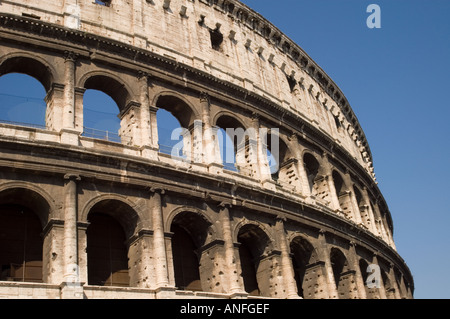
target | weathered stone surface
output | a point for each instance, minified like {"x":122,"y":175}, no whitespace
{"x":191,"y":229}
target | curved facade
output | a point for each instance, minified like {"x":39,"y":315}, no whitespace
{"x":122,"y":218}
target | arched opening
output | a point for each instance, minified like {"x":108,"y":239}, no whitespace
{"x":236,"y":148}
{"x":20,"y":244}
{"x":371,"y":293}
{"x":175,"y":121}
{"x":388,"y":287}
{"x":190,"y":234}
{"x":22,"y":214}
{"x":308,"y":275}
{"x":100,"y":116}
{"x":255,"y":267}
{"x":312,"y":170}
{"x":344,"y":195}
{"x":362,"y":208}
{"x":111,"y":224}
{"x":105,"y":105}
{"x":170,"y":137}
{"x":107,"y":252}
{"x":24,"y":84}
{"x":343,"y":278}
{"x":282,"y":163}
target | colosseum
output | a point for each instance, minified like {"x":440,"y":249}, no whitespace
{"x":96,"y":216}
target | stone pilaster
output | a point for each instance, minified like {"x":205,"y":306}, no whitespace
{"x":71,"y":286}
{"x":159,"y":247}
{"x":235,"y":284}
{"x":286,"y":261}
{"x":324,"y":255}
{"x":353,"y":258}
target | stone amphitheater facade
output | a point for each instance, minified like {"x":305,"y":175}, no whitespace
{"x":124,"y":220}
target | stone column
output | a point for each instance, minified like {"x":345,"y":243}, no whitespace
{"x":68,"y":133}
{"x":148,"y":148}
{"x":306,"y":189}
{"x":353,"y":257}
{"x":207,"y":138}
{"x":145,"y":127}
{"x":69,"y":90}
{"x":325,"y":256}
{"x":70,"y":226}
{"x":235,"y":285}
{"x":259,"y":160}
{"x":381,"y":289}
{"x":159,"y":247}
{"x":71,"y":287}
{"x":329,"y":177}
{"x":393,"y":281}
{"x":355,"y":206}
{"x":366,"y":198}
{"x":286,"y":261}
{"x":154,"y":127}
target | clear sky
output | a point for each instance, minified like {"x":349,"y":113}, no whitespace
{"x":396,"y":79}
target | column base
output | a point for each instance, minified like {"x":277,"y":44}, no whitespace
{"x":72,"y":290}
{"x":70,"y":136}
{"x":165,"y":292}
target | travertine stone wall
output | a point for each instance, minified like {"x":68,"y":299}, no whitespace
{"x":212,"y":65}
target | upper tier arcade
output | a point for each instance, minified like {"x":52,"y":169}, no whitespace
{"x":224,"y":39}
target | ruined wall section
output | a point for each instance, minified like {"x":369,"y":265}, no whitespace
{"x":225,"y":39}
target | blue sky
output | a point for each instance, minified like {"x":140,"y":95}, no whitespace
{"x":395,"y":78}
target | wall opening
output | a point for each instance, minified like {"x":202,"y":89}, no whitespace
{"x":256,"y":269}
{"x":21,"y":244}
{"x":176,"y":125}
{"x":106,"y":251}
{"x":170,"y":137}
{"x":100,"y":116}
{"x":306,"y":274}
{"x":22,"y":101}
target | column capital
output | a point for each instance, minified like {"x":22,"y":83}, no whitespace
{"x":281,"y":218}
{"x":205,"y":97}
{"x":158,"y":190}
{"x":143,"y":75}
{"x":223,"y":205}
{"x":72,"y":177}
{"x":70,"y":56}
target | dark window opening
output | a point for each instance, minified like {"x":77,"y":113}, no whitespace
{"x":337,"y":122}
{"x":107,"y":252}
{"x":292,"y":82}
{"x":216,"y":39}
{"x":20,"y":245}
{"x":105,"y":3}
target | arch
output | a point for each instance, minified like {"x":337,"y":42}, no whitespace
{"x":22,"y":100}
{"x":30,"y":196}
{"x":280,"y":154}
{"x":109,"y":84}
{"x":122,"y":209}
{"x":304,"y":259}
{"x":339,"y":183}
{"x":25,"y":63}
{"x":107,"y":252}
{"x":312,"y":168}
{"x":342,"y":277}
{"x":176,"y":104}
{"x":23,"y":216}
{"x":255,"y":246}
{"x":191,"y":232}
{"x":100,"y":116}
{"x":235,"y":143}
